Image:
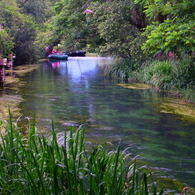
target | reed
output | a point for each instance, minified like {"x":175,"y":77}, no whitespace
{"x":35,"y":165}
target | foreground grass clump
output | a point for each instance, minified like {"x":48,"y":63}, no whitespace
{"x":35,"y":165}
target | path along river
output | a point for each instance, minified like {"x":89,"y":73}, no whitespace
{"x":74,"y":92}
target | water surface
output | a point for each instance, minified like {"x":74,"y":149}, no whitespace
{"x":75,"y":92}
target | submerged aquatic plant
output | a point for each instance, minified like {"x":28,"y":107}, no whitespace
{"x":37,"y":165}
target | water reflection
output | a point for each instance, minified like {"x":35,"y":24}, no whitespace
{"x":74,"y":92}
{"x":75,"y":67}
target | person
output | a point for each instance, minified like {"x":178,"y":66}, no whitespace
{"x":53,"y":51}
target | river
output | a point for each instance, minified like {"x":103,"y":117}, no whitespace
{"x":75,"y":92}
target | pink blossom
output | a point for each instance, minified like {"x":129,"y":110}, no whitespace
{"x":88,"y":11}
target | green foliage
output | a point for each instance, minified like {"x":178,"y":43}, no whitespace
{"x":159,"y":74}
{"x":21,"y":30}
{"x":126,"y":68}
{"x":36,"y":165}
{"x":66,"y":27}
{"x":173,"y":26}
{"x":176,"y":77}
{"x":112,"y":22}
{"x":6,"y":43}
{"x":115,"y":28}
{"x":170,"y":76}
{"x":168,"y":36}
{"x":122,"y":68}
{"x":26,"y":49}
{"x":188,"y":94}
{"x":96,"y":31}
{"x":40,"y":10}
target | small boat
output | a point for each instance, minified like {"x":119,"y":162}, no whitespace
{"x":58,"y":56}
{"x":76,"y":53}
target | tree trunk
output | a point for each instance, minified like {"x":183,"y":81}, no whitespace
{"x":163,"y":56}
{"x":138,"y":19}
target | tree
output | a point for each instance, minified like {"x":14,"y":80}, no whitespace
{"x":119,"y":24}
{"x":66,"y":26}
{"x":6,"y":43}
{"x":40,"y":10}
{"x":172,"y":28}
{"x":22,"y":31}
{"x":90,"y":25}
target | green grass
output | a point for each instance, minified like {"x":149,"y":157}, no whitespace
{"x":35,"y":165}
{"x":175,"y":77}
{"x":159,"y":74}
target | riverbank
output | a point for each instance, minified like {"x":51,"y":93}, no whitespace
{"x":13,"y":82}
{"x":175,"y":78}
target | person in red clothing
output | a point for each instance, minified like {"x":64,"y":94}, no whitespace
{"x":53,"y":51}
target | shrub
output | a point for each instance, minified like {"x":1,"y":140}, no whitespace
{"x":158,"y":74}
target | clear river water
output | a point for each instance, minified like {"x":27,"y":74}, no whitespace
{"x":75,"y":92}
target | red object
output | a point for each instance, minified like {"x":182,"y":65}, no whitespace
{"x":53,"y":51}
{"x":56,"y":64}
